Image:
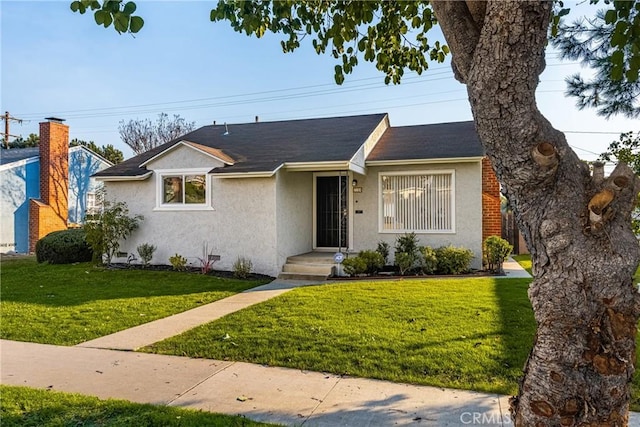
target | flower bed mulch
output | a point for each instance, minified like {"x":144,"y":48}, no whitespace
{"x":194,"y":270}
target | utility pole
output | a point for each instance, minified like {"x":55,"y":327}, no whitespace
{"x":7,"y":118}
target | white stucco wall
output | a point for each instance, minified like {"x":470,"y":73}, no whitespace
{"x":242,"y":223}
{"x":294,"y":209}
{"x":468,"y":210}
{"x":184,"y":156}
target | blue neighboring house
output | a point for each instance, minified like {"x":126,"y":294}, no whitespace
{"x":20,"y":181}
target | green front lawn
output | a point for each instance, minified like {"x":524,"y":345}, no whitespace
{"x":462,"y":333}
{"x":70,"y":304}
{"x":21,"y":406}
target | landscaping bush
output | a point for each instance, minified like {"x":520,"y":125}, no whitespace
{"x":496,"y":250}
{"x":452,"y":260}
{"x":242,"y":268}
{"x":383,"y":249}
{"x":429,"y":260}
{"x":178,"y":262}
{"x":407,"y":255}
{"x":64,"y":247}
{"x":373,"y":260}
{"x":354,"y":266}
{"x":146,"y":251}
{"x":106,"y":229}
{"x":405,"y":262}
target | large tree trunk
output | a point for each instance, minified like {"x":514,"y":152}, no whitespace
{"x":577,"y":226}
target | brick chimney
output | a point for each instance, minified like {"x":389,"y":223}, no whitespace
{"x":50,"y":212}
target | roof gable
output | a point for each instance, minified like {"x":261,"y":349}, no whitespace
{"x":211,"y":152}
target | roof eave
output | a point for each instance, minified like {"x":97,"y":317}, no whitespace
{"x":403,"y":162}
{"x":20,"y":162}
{"x":124,"y":177}
{"x":256,"y":174}
{"x":317,"y":166}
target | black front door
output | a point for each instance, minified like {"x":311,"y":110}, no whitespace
{"x":331,"y":212}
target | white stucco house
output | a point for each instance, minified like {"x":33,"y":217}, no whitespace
{"x":269,"y":191}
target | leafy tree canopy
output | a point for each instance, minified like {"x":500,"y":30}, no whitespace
{"x":108,"y":151}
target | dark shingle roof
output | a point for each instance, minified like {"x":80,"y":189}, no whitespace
{"x":16,"y":154}
{"x":437,"y":141}
{"x":264,"y":146}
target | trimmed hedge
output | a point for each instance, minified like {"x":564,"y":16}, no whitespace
{"x":64,"y":247}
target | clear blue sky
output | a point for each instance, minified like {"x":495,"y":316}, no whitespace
{"x":59,"y":63}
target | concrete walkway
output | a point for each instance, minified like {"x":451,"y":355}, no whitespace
{"x":158,"y":330}
{"x":513,"y":270}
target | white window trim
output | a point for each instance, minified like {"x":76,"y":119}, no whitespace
{"x":160,"y":173}
{"x":451,"y":172}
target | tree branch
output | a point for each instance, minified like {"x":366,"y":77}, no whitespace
{"x":455,"y":18}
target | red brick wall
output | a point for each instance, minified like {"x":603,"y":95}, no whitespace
{"x":51,"y":211}
{"x":43,"y":219}
{"x":491,"y":214}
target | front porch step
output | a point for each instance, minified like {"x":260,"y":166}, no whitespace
{"x":320,"y":269}
{"x":303,"y":276}
{"x":316,"y":266}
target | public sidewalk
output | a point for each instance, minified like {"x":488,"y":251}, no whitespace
{"x":277,"y":395}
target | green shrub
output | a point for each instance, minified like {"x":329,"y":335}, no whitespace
{"x":373,"y":260}
{"x":354,"y":266}
{"x":64,"y":247}
{"x":384,"y":249}
{"x":106,"y":229}
{"x":407,"y":255}
{"x":407,"y":243}
{"x":242,"y":268}
{"x":146,"y":251}
{"x":178,"y":262}
{"x":496,"y":250}
{"x":405,"y":262}
{"x":452,"y":260}
{"x":429,"y":260}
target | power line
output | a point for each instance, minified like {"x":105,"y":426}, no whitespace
{"x":246,"y":98}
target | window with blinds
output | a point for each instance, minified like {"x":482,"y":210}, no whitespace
{"x":417,"y":201}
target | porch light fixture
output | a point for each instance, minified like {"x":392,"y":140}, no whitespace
{"x":354,"y":183}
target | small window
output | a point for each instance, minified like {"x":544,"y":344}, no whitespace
{"x":417,"y":201}
{"x":183,"y":191}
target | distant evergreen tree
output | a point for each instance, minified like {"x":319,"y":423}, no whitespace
{"x":109,"y":152}
{"x":610,"y":47}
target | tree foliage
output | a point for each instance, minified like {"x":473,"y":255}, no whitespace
{"x":143,"y":135}
{"x":33,"y":140}
{"x":108,"y":12}
{"x":608,"y":43}
{"x":390,"y":34}
{"x":627,"y":149}
{"x":109,"y":152}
